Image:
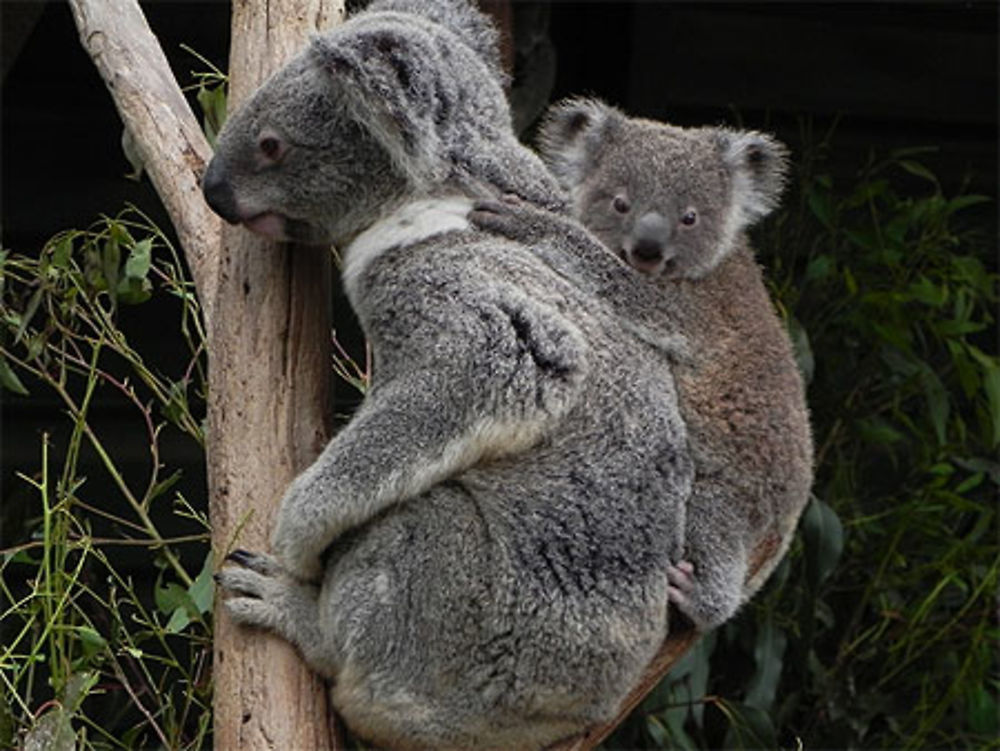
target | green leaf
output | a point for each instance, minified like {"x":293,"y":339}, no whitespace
{"x":958,"y":328}
{"x":850,"y":283}
{"x":769,"y":653}
{"x":51,"y":732}
{"x":957,"y":204}
{"x":29,"y":312}
{"x":92,"y":641}
{"x":162,"y":487}
{"x":191,"y":603}
{"x":938,"y":404}
{"x":62,"y":251}
{"x":823,"y":535}
{"x":819,"y":268}
{"x":821,"y":206}
{"x":983,"y":712}
{"x":133,"y":291}
{"x":878,"y":432}
{"x":9,"y":379}
{"x":110,"y":261}
{"x":925,"y":291}
{"x":169,"y":597}
{"x":750,"y":727}
{"x":801,"y":349}
{"x":916,"y":168}
{"x":139,"y":259}
{"x":202,"y":589}
{"x":701,"y":669}
{"x":991,"y":385}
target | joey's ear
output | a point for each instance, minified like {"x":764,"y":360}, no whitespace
{"x":758,"y":164}
{"x":572,"y":136}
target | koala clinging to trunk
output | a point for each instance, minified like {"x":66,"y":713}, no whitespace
{"x":673,"y":202}
{"x":479,"y":558}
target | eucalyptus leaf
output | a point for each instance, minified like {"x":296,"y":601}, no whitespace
{"x":9,"y":379}
{"x":823,"y":535}
{"x":769,"y":653}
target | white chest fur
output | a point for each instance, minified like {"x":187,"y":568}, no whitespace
{"x":410,"y":224}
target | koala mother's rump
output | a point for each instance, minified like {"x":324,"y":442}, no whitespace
{"x":478,"y":559}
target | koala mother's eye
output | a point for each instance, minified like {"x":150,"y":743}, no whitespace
{"x":621,"y":204}
{"x":271,"y":147}
{"x":689,"y":218}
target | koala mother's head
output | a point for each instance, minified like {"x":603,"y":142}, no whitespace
{"x":668,"y":200}
{"x":389,"y":106}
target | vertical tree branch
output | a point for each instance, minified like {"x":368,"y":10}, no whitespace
{"x":269,"y":380}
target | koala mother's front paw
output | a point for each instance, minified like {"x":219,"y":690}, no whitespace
{"x":301,"y":534}
{"x":257,"y":587}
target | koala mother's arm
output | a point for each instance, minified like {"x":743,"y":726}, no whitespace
{"x":483,"y":394}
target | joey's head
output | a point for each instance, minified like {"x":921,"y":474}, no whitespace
{"x":387,"y":107}
{"x":670,"y":201}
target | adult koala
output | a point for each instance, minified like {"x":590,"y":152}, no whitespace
{"x":478,"y":559}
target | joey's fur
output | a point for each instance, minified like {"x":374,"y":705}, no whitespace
{"x":479,"y":558}
{"x":633,"y":182}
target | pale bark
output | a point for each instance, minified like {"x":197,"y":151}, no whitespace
{"x":166,"y":132}
{"x":265,"y":307}
{"x":269,"y":380}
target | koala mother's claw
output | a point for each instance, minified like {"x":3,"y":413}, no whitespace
{"x":259,"y":562}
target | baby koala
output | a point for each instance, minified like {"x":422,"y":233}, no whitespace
{"x":673,"y":203}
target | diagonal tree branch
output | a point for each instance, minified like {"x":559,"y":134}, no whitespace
{"x":167,"y":135}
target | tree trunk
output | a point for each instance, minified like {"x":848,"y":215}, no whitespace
{"x":269,"y":381}
{"x":266,"y":310}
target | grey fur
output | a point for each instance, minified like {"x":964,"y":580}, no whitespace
{"x":741,"y":394}
{"x":478,"y":559}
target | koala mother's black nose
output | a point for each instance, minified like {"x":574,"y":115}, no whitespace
{"x":219,"y":193}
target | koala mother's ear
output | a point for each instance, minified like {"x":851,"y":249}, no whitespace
{"x":385,"y":86}
{"x":758,"y":164}
{"x":573,"y":135}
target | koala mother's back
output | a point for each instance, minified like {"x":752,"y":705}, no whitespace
{"x":521,"y":598}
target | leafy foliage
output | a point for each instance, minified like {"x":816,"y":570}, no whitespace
{"x":90,"y":657}
{"x":879,"y":630}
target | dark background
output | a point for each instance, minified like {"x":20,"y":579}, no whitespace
{"x":890,"y":75}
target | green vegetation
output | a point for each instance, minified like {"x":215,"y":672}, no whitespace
{"x":92,"y":656}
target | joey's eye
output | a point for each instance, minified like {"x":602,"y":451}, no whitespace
{"x":621,"y":204}
{"x":270,"y":147}
{"x":689,"y":218}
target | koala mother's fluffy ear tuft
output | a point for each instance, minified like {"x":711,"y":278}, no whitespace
{"x":572,"y":135}
{"x":758,"y":164}
{"x":379,"y":75}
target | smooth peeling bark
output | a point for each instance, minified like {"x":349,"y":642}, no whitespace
{"x":269,"y":381}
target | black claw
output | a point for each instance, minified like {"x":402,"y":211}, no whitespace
{"x":242,"y":557}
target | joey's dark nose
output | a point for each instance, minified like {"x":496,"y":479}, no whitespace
{"x":647,"y":250}
{"x":651,"y":237}
{"x":219,"y":193}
